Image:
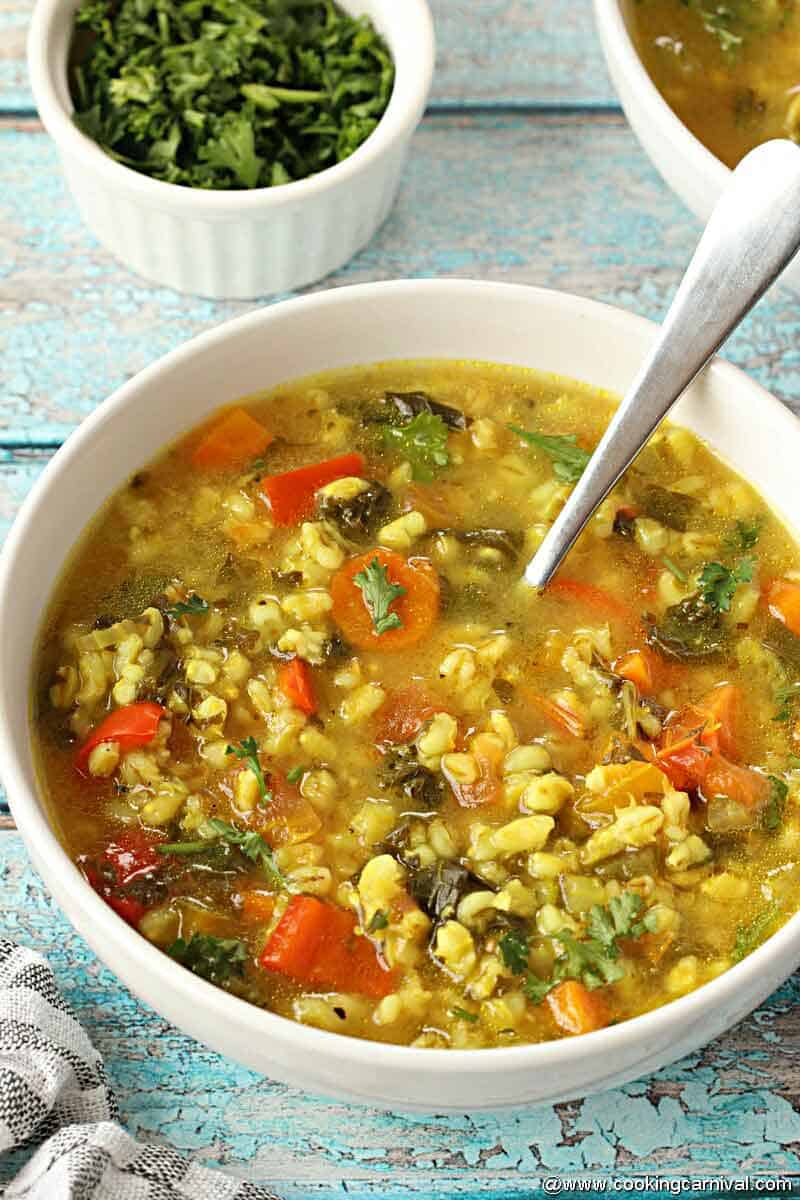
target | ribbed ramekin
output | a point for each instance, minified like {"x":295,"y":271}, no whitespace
{"x":237,"y":244}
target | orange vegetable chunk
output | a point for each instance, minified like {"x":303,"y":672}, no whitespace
{"x":577,"y":1010}
{"x":783,"y":602}
{"x":295,"y":681}
{"x":235,"y":439}
{"x":417,"y":608}
{"x":290,"y":496}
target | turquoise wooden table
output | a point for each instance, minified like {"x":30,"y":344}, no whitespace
{"x":523,"y":170}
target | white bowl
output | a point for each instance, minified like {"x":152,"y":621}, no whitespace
{"x":375,"y":322}
{"x":691,"y":170}
{"x":237,"y":244}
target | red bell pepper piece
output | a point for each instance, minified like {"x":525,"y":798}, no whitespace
{"x":294,"y":680}
{"x":290,"y":496}
{"x":131,"y":726}
{"x":315,"y":943}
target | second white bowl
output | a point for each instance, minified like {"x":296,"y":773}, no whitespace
{"x":237,"y":244}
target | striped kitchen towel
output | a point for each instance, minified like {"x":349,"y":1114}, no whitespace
{"x":55,"y":1100}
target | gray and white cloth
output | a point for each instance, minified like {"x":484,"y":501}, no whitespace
{"x":55,"y":1100}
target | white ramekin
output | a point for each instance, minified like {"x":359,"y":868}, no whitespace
{"x":373,"y":322}
{"x":237,"y":244}
{"x":691,"y":170}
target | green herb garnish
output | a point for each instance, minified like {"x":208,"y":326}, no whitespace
{"x":247,"y":752}
{"x":718,"y":583}
{"x":751,"y":935}
{"x":227,"y":95}
{"x":673,"y":567}
{"x":568,"y":458}
{"x":422,"y":441}
{"x":212,"y":958}
{"x":251,"y":844}
{"x":295,"y":774}
{"x":772,"y":817}
{"x":379,"y":594}
{"x":536,"y":989}
{"x":380,"y":920}
{"x":464,"y":1015}
{"x":194,"y":606}
{"x":743,"y":536}
{"x":513,"y":947}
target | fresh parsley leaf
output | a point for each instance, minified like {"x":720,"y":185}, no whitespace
{"x":295,"y":774}
{"x":251,"y":844}
{"x":379,"y":595}
{"x":616,"y":920}
{"x":464,"y":1015}
{"x":422,"y":441}
{"x":719,"y":583}
{"x":587,"y":960}
{"x":568,"y":458}
{"x":212,"y":958}
{"x":380,"y":920}
{"x":751,"y":935}
{"x":743,"y":536}
{"x":227,"y":95}
{"x":536,"y":989}
{"x":772,"y":817}
{"x":513,"y":947}
{"x":192,"y":607}
{"x":247,"y":752}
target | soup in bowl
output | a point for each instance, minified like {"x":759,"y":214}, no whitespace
{"x":319,"y":763}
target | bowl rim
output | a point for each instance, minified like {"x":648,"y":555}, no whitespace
{"x":413,"y":54}
{"x":90,"y":913}
{"x":617,"y":42}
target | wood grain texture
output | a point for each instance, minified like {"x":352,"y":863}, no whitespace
{"x":732,"y":1107}
{"x":491,"y":52}
{"x":581,"y":210}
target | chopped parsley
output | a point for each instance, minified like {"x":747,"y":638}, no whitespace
{"x":247,"y":752}
{"x":212,"y":958}
{"x":772,"y":817}
{"x":295,"y":774}
{"x":380,"y":920}
{"x":513,"y":947}
{"x":227,"y":95}
{"x":743,"y":536}
{"x":194,"y":606}
{"x":422,"y":441}
{"x":751,"y":935}
{"x":719,"y":583}
{"x":673,"y":567}
{"x":251,"y":844}
{"x":568,"y":458}
{"x":379,"y":595}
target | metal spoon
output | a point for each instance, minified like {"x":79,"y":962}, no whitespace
{"x":753,"y":233}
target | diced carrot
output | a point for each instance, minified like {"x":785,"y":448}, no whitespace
{"x":257,"y":907}
{"x":130,"y":726}
{"x":235,"y":439}
{"x":577,"y":1010}
{"x":557,"y":714}
{"x":403,"y":714}
{"x":637,"y":666}
{"x":294,"y":680}
{"x":290,"y":496}
{"x":417,"y":608}
{"x":315,"y":943}
{"x":783,"y":602}
{"x":598,"y":600}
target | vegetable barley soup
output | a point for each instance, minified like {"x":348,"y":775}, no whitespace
{"x":304,"y":728}
{"x":730,"y":71}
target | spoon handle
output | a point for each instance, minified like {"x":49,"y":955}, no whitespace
{"x":753,"y":233}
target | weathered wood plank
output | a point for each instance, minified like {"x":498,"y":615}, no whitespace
{"x":733,"y":1107}
{"x":581,"y":210}
{"x":489,"y":52}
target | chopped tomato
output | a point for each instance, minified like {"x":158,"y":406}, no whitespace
{"x":417,"y":608}
{"x":403,"y":715}
{"x":598,"y":600}
{"x":315,"y":943}
{"x":637,"y":666}
{"x":783,"y":602}
{"x":131,"y":726}
{"x":563,"y":718}
{"x":577,"y":1010}
{"x":288,"y":817}
{"x":290,"y":496}
{"x":698,"y":731}
{"x":741,"y":785}
{"x":132,"y":857}
{"x":294,"y":680}
{"x":234,"y":439}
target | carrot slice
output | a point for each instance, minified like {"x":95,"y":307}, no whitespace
{"x":783,"y":602}
{"x":577,"y":1010}
{"x":315,"y":943}
{"x":236,"y":438}
{"x":290,"y":496}
{"x":417,"y":608}
{"x":294,"y":680}
{"x":637,"y":666}
{"x":597,"y":599}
